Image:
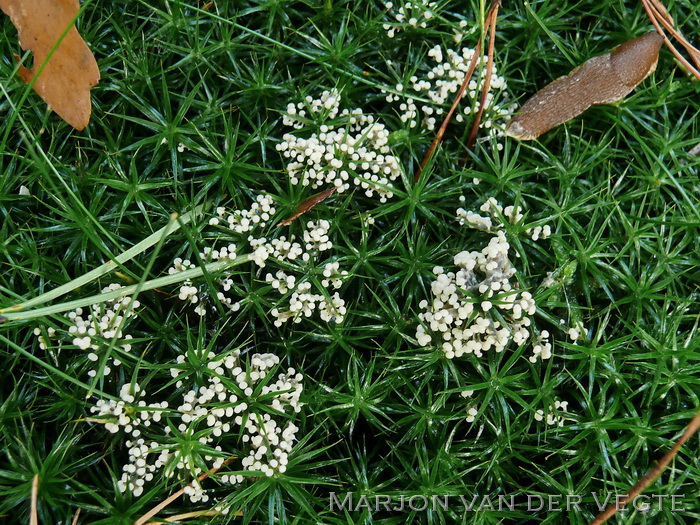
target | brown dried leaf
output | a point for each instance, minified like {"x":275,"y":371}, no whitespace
{"x":600,"y":80}
{"x":309,"y":204}
{"x":65,"y":81}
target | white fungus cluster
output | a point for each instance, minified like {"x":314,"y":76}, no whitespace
{"x":441,"y":85}
{"x":493,"y":222}
{"x":494,"y":219}
{"x":459,"y":31}
{"x":472,"y":409}
{"x":343,"y":148}
{"x":248,"y":402}
{"x":555,"y":414}
{"x":476,"y":308}
{"x":93,"y":329}
{"x":495,"y":212}
{"x":244,"y":221}
{"x":303,"y":301}
{"x":303,"y":256}
{"x":239,"y":222}
{"x":413,"y":14}
{"x":577,"y":332}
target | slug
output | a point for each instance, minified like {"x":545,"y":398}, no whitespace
{"x":600,"y":80}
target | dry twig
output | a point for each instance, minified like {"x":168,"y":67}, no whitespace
{"x":659,"y":16}
{"x":155,"y":510}
{"x":490,"y":21}
{"x":33,"y":516}
{"x":487,"y":79}
{"x":651,"y":476}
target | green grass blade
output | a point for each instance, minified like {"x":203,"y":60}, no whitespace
{"x":167,"y":280}
{"x":172,"y":226}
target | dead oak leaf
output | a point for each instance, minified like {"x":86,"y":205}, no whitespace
{"x":64,"y":82}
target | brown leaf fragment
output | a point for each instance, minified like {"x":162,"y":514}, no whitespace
{"x":309,"y":204}
{"x":71,"y":70}
{"x":600,"y":80}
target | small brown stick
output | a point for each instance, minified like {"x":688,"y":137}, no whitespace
{"x":651,"y":476}
{"x":664,"y":16}
{"x":659,"y":13}
{"x":656,"y":15}
{"x":489,"y":70}
{"x":470,"y":71}
{"x":155,"y":510}
{"x":448,"y":117}
{"x":33,"y":516}
{"x":661,"y":8}
{"x":309,"y":204}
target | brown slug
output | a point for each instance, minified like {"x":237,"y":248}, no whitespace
{"x":600,"y":80}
